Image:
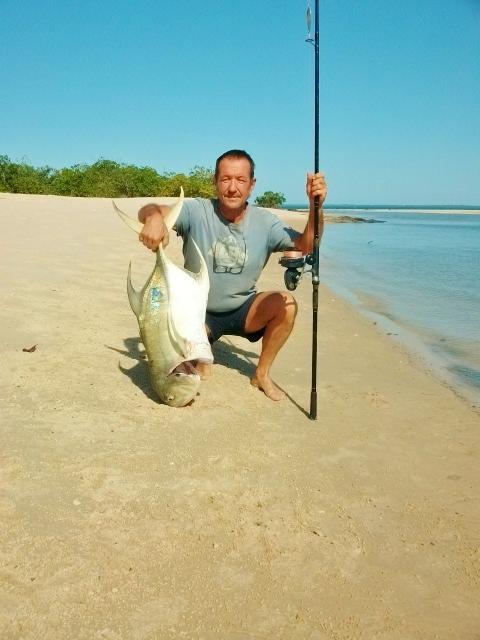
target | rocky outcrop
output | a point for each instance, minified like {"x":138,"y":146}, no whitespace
{"x":329,"y":218}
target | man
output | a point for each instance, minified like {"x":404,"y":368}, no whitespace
{"x":236,"y":240}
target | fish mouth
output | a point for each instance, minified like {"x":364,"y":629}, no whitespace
{"x":186,"y":368}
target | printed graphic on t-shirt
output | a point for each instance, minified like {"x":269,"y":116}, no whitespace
{"x":229,"y":255}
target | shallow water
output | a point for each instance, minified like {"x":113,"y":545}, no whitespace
{"x":419,"y":274}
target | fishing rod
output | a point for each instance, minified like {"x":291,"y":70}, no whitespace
{"x":316,"y":207}
{"x":295,"y":265}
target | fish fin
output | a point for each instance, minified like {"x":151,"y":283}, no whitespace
{"x":174,"y":212}
{"x":178,"y":341}
{"x":135,"y":225}
{"x":180,"y":344}
{"x":160,"y":259}
{"x":170,"y":218}
{"x":134,"y":297}
{"x":202,"y":276}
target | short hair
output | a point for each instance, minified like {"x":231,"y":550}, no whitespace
{"x":236,"y":153}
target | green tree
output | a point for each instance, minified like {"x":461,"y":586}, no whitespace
{"x":270,"y":199}
{"x":135,"y":182}
{"x":5,"y":163}
{"x":172,"y":184}
{"x":23,"y":178}
{"x":200,"y":183}
{"x":68,"y":181}
{"x":104,"y":178}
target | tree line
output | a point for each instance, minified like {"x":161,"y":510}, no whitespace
{"x":110,"y":179}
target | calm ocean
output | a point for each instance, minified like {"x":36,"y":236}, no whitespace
{"x":418,"y":276}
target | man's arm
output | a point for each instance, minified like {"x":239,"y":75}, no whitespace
{"x":154,"y":229}
{"x":316,"y":186}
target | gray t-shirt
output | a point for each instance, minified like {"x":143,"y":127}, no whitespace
{"x":235,"y":253}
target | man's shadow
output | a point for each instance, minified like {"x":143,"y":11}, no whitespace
{"x":233,"y":357}
{"x":229,"y":355}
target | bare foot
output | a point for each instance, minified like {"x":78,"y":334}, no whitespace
{"x":268,"y":387}
{"x":204,"y":369}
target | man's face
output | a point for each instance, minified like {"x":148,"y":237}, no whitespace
{"x":234,"y":184}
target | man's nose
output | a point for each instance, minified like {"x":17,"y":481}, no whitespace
{"x":232,"y":186}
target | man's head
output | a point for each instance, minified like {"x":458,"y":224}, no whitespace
{"x":236,"y":154}
{"x":234,"y":180}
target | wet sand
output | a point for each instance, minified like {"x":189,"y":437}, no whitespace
{"x":237,"y":517}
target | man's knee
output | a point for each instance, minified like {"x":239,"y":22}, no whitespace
{"x":290,"y":301}
{"x":286,"y":306}
{"x":278,"y":306}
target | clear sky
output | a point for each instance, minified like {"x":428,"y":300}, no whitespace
{"x":173,"y":84}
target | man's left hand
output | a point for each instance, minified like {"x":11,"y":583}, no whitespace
{"x":316,"y":186}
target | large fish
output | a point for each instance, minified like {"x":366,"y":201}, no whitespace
{"x":170,"y":310}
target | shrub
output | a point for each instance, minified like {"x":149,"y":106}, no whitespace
{"x":271,"y":199}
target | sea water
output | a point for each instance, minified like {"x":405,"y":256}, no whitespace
{"x":418,"y":275}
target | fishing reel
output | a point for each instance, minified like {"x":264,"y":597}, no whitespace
{"x":295,"y":263}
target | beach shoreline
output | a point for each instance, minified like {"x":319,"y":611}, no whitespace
{"x":277,"y":211}
{"x":236,"y":517}
{"x":370,"y":209}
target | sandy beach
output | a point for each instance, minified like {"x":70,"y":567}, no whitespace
{"x":235,"y":518}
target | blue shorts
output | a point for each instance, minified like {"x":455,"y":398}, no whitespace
{"x":231,"y":323}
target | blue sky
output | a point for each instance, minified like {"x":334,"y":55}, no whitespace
{"x":174,"y":84}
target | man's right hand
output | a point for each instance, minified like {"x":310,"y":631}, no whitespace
{"x":154,"y":230}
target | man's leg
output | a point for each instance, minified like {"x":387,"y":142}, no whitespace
{"x":276,"y":311}
{"x":204,"y":369}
